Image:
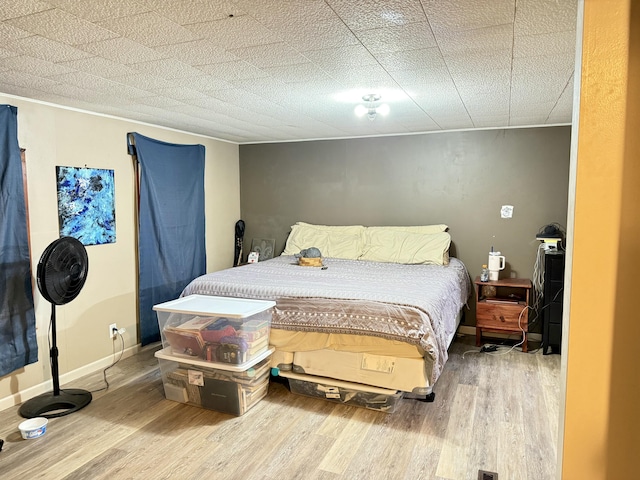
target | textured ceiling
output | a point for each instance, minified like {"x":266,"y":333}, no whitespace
{"x":265,"y":70}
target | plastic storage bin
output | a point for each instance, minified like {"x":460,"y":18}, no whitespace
{"x":215,"y":329}
{"x":228,"y":389}
{"x":373,"y":398}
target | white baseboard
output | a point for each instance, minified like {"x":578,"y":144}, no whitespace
{"x":26,"y":394}
{"x":470,"y":330}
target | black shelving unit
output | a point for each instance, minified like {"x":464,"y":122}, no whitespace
{"x":552,"y":301}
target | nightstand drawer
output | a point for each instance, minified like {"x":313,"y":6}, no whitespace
{"x":493,"y":315}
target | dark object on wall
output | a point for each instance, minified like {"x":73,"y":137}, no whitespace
{"x":62,"y":271}
{"x":552,"y":303}
{"x":239,"y":241}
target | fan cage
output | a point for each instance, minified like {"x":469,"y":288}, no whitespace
{"x":62,"y":270}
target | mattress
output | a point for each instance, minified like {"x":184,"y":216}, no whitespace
{"x":411,"y":309}
{"x":360,"y":359}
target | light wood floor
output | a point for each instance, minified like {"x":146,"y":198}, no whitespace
{"x":496,"y":413}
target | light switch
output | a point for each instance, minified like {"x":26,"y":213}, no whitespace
{"x":506,"y":211}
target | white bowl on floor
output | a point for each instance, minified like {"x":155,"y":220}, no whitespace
{"x":33,"y":427}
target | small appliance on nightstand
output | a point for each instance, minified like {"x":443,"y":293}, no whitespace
{"x":502,"y":307}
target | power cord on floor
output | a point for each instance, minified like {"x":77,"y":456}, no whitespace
{"x":104,"y":372}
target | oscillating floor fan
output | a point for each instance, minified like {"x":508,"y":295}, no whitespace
{"x":62,"y":271}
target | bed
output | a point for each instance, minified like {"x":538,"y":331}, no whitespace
{"x":382,"y":313}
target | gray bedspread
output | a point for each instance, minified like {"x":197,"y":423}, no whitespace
{"x":408,"y":303}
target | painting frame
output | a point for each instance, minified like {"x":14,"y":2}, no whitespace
{"x":86,"y":204}
{"x":264,"y":246}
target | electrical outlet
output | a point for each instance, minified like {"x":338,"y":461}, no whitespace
{"x":112,"y":333}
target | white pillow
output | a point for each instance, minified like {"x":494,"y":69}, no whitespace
{"x":392,"y":245}
{"x":419,"y":228}
{"x":333,"y":241}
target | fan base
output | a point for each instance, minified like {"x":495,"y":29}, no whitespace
{"x":49,"y":405}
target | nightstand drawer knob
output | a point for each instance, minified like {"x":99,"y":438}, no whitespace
{"x":502,"y":318}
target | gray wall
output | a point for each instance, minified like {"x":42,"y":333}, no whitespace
{"x":458,"y":178}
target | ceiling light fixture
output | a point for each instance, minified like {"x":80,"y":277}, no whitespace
{"x":371,"y":108}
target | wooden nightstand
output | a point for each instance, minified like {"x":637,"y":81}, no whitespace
{"x":501,"y":307}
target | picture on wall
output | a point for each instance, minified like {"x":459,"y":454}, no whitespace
{"x":86,"y":204}
{"x":264,"y":246}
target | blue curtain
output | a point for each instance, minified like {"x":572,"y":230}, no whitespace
{"x":171,"y":240}
{"x":18,"y":345}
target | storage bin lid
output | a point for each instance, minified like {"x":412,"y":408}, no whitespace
{"x":165,"y":354}
{"x":218,"y":306}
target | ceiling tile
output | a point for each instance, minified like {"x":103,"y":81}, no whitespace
{"x":412,"y":36}
{"x":545,"y":68}
{"x":179,"y":93}
{"x":90,"y":82}
{"x":367,"y":14}
{"x":463,"y":63}
{"x":25,"y":79}
{"x":457,"y":15}
{"x":545,"y":16}
{"x":305,"y":25}
{"x":319,"y":36}
{"x":9,"y":32}
{"x":487,"y":104}
{"x":193,"y":11}
{"x":544,"y":44}
{"x":97,"y":10}
{"x":446,"y":122}
{"x":62,"y":27}
{"x":340,"y":57}
{"x":487,"y":121}
{"x":269,"y":55}
{"x":208,"y":83}
{"x":420,"y":79}
{"x":40,"y":47}
{"x":150,"y":29}
{"x":270,"y":13}
{"x":160,"y":101}
{"x":425,"y":58}
{"x":8,"y":53}
{"x":233,"y":71}
{"x":478,"y":41}
{"x":23,"y":7}
{"x":497,"y":83}
{"x":302,"y":72}
{"x":144,"y":82}
{"x":365,"y":77}
{"x":233,"y":32}
{"x":22,"y":90}
{"x":318,"y":86}
{"x":167,"y":68}
{"x":34,"y":66}
{"x":122,"y":50}
{"x":197,"y":52}
{"x":281,"y":70}
{"x":99,"y":66}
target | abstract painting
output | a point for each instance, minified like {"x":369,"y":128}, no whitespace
{"x":86,"y":204}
